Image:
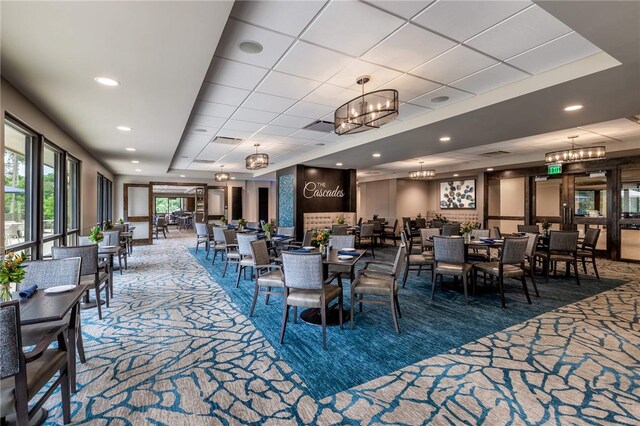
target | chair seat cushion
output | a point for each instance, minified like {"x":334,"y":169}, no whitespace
{"x":584,"y":253}
{"x":91,"y":279}
{"x":247,"y":262}
{"x":272,"y":279}
{"x":310,"y":298}
{"x":220,"y":247}
{"x":419,"y":259}
{"x":493,"y":268}
{"x":428,"y":254}
{"x":375,"y":285}
{"x":232,"y":255}
{"x":39,"y":372}
{"x":445,"y":268}
{"x":561,"y":257}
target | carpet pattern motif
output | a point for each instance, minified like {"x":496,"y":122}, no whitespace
{"x":173,"y":349}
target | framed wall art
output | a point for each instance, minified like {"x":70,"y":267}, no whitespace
{"x":458,"y":194}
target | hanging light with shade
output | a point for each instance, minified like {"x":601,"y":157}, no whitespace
{"x":422,"y":174}
{"x":221,"y":176}
{"x":575,"y":155}
{"x":257,"y":161}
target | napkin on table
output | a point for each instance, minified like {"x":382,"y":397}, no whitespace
{"x":301,"y":251}
{"x":347,"y":253}
{"x":28,"y":292}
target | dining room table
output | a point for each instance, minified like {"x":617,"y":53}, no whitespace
{"x":49,"y":307}
{"x":312,"y":315}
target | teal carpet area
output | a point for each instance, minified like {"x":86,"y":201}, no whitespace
{"x":373,"y":348}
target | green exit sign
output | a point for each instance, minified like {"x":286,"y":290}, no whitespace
{"x":554,"y":169}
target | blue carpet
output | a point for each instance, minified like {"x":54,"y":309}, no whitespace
{"x":427,"y":328}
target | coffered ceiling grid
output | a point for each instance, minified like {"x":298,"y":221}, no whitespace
{"x":314,"y":50}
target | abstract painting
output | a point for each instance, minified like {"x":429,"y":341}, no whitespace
{"x":458,"y":194}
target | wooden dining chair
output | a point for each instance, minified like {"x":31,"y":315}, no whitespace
{"x":218,"y":243}
{"x":449,"y":260}
{"x":563,"y":246}
{"x":588,"y":249}
{"x":415,"y":261}
{"x":231,"y":246}
{"x":246,"y":258}
{"x":268,"y":275}
{"x":23,"y":374}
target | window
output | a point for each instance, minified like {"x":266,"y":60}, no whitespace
{"x":168,"y":205}
{"x":73,"y":194}
{"x":18,"y":190}
{"x":105,"y":199}
{"x":51,"y":192}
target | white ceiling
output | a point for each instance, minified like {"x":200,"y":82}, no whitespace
{"x":315,"y":50}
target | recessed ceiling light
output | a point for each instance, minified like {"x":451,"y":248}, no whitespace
{"x":440,"y":99}
{"x":445,"y":139}
{"x":135,"y":161}
{"x":106,"y":81}
{"x":338,"y":164}
{"x":130,"y":149}
{"x":376,"y":155}
{"x":182,"y":176}
{"x":490,"y":169}
{"x":138,"y":170}
{"x":573,"y":107}
{"x":124,"y":128}
{"x":456,"y":175}
{"x":251,"y":47}
{"x":320,"y":144}
{"x":199,"y":130}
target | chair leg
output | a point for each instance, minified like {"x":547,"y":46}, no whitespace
{"x":340,"y":304}
{"x":266,"y":301}
{"x":433,"y":285}
{"x":584,"y":265}
{"x":79,"y":341}
{"x":595,"y":268}
{"x":65,"y":395}
{"x":97,"y":287}
{"x":398,"y":306}
{"x":373,"y":254}
{"x":285,"y":316}
{"x":501,"y":284}
{"x":126,"y":255}
{"x":224,"y":271}
{"x":524,"y":287}
{"x":406,"y":274}
{"x":575,"y":270}
{"x":353,"y":303}
{"x":242,"y":268}
{"x":393,"y":314}
{"x":323,"y":317}
{"x":533,"y":281}
{"x":465,"y":278}
{"x":255,"y":299}
{"x":295,"y":314}
{"x":120,"y":264}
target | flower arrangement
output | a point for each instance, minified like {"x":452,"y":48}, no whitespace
{"x":546,"y":225}
{"x":375,"y":216}
{"x":340,"y":219}
{"x":11,"y":271}
{"x":419,"y":216}
{"x":467,"y":227}
{"x":121,"y":221}
{"x":108,"y":225}
{"x":96,"y":235}
{"x":321,"y":237}
{"x":224,"y":221}
{"x":440,"y":217}
{"x":242,"y":223}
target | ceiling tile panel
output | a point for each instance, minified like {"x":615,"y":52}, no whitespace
{"x":463,"y":19}
{"x":213,"y":151}
{"x":453,"y":95}
{"x":242,"y":125}
{"x":234,"y":74}
{"x":291,"y":121}
{"x":409,"y":87}
{"x":313,"y":62}
{"x":214,"y":109}
{"x":519,"y":33}
{"x":490,"y":78}
{"x":348,"y":76}
{"x":208,"y":130}
{"x":254,"y":115}
{"x":269,"y":103}
{"x":232,"y":133}
{"x":309,"y":110}
{"x":453,"y":65}
{"x":192,"y":145}
{"x":288,"y":86}
{"x":409,"y":47}
{"x":276,"y":131}
{"x":308,"y":134}
{"x":335,"y":26}
{"x":330,"y":95}
{"x":563,"y":50}
{"x":405,"y":8}
{"x":407,"y":111}
{"x":205,"y":120}
{"x":289,"y":17}
{"x":289,"y":141}
{"x":222,"y":94}
{"x":274,"y":45}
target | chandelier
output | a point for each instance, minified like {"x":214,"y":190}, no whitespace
{"x":574,"y":154}
{"x":422,"y":174}
{"x":222,"y":176}
{"x":367,"y":111}
{"x":257,"y":160}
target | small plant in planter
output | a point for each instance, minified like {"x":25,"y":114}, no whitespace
{"x":11,"y":272}
{"x":224,"y":221}
{"x":340,"y":219}
{"x":96,"y":235}
{"x":241,"y":224}
{"x":108,"y":226}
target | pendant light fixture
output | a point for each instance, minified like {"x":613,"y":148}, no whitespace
{"x":222,"y":176}
{"x":575,"y":155}
{"x":257,"y":161}
{"x":368,"y":111}
{"x":422,"y":174}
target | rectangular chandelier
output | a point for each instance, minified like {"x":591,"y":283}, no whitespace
{"x":575,"y":155}
{"x":368,"y":111}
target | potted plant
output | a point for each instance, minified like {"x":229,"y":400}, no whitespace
{"x":96,"y":235}
{"x":223,"y":221}
{"x":241,"y":224}
{"x":108,"y":226}
{"x":321,"y":239}
{"x":121,"y":221}
{"x":267,"y":228}
{"x":375,"y":216}
{"x":340,"y":219}
{"x":11,"y":273}
{"x":419,"y":216}
{"x":465,"y":230}
{"x":545,"y":227}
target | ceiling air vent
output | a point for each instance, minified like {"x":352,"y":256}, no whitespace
{"x":320,"y":126}
{"x":226,"y":141}
{"x":495,"y":154}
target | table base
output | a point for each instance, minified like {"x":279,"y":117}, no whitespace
{"x":312,"y":316}
{"x":90,"y":305}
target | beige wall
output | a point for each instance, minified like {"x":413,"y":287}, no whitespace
{"x":14,"y":103}
{"x":377,"y":197}
{"x":548,"y":197}
{"x":413,"y":197}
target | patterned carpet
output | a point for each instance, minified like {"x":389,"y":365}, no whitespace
{"x":174,"y":349}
